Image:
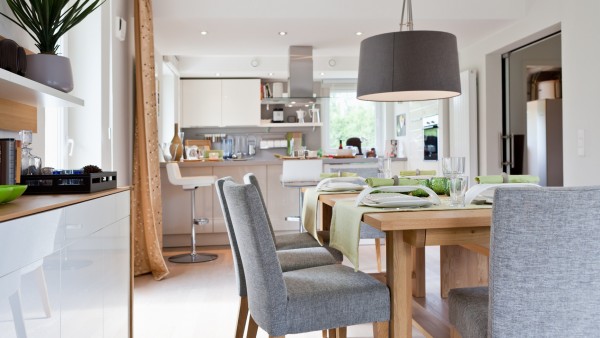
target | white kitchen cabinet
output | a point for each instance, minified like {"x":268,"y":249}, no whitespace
{"x":281,"y":201}
{"x":200,"y":103}
{"x":71,"y":267}
{"x":219,"y":103}
{"x":240,"y":102}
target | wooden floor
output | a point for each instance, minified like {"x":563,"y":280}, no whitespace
{"x":200,"y":300}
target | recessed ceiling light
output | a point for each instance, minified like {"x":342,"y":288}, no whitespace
{"x":270,"y":74}
{"x":358,"y":33}
{"x":203,"y":33}
{"x":282,"y":33}
{"x":218,"y":74}
{"x":293,"y":102}
{"x":322,"y":74}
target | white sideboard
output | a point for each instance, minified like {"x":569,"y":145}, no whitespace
{"x":65,"y":272}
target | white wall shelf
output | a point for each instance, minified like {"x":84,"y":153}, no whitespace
{"x":20,"y":89}
{"x":290,"y":125}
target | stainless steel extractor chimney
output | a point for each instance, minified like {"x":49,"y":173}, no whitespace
{"x":301,"y":71}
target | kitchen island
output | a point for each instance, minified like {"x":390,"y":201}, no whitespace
{"x":281,"y":201}
{"x":65,"y":265}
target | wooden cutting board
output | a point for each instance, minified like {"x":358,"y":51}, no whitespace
{"x":199,"y":143}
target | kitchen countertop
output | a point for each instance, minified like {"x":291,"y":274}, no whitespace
{"x":273,"y":161}
{"x":27,"y":205}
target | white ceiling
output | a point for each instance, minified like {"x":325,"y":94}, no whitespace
{"x":240,"y":31}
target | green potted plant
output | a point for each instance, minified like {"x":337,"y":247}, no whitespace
{"x":46,"y":21}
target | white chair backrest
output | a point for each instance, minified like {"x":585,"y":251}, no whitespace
{"x":302,"y":170}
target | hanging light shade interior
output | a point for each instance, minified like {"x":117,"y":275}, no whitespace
{"x":408,"y":65}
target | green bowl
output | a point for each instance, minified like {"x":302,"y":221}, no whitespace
{"x":11,"y":192}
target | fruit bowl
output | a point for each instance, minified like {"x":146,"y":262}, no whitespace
{"x":11,"y":192}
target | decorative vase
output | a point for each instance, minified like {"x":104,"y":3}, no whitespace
{"x":51,"y":70}
{"x":178,"y":151}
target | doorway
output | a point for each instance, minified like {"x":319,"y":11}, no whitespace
{"x":532,"y":135}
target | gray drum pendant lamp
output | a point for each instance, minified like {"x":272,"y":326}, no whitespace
{"x":408,"y":65}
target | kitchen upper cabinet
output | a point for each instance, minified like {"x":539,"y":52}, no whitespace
{"x":201,"y":103}
{"x":220,"y":103}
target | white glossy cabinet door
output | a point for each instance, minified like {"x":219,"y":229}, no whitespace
{"x":200,"y":103}
{"x":240,"y":102}
{"x":67,"y":271}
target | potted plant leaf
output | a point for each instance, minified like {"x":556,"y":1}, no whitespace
{"x":46,"y":21}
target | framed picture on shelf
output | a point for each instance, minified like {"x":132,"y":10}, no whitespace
{"x":400,"y":125}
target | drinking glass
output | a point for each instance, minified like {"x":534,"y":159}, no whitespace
{"x":453,"y":166}
{"x":458,"y":188}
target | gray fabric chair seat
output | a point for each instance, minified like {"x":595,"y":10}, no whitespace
{"x":468,"y":311}
{"x":333,"y":296}
{"x":303,"y":258}
{"x":367,"y":231}
{"x":317,"y":298}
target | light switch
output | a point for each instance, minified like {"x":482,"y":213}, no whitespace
{"x":580,"y":143}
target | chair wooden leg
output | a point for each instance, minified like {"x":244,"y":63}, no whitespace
{"x":242,"y":317}
{"x":341,"y":332}
{"x":324,"y":333}
{"x":381,"y":329}
{"x":378,"y":253}
{"x":252,"y":328}
{"x":454,"y":333}
{"x":332,"y":333}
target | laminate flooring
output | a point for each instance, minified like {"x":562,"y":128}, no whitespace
{"x":201,"y":300}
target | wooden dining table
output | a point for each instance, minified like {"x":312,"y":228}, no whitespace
{"x":407,"y":233}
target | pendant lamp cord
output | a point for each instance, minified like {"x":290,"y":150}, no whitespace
{"x":409,"y":19}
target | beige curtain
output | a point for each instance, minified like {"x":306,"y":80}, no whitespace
{"x":146,"y":205}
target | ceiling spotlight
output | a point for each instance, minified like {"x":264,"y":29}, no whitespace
{"x":293,"y":102}
{"x":322,"y":73}
{"x":254,"y":63}
{"x":217,"y":74}
{"x":332,"y":63}
{"x":358,"y":33}
{"x":203,"y":33}
{"x":270,"y":74}
{"x":282,"y":33}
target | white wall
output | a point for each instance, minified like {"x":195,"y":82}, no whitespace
{"x":542,"y":19}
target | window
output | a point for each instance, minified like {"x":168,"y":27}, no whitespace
{"x":349,"y":117}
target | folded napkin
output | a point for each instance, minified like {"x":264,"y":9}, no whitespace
{"x":374,"y":182}
{"x":418,"y":173}
{"x":496,"y":179}
{"x":343,"y":174}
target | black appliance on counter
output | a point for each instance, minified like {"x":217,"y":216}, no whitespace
{"x":355,"y":142}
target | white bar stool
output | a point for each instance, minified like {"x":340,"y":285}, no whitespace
{"x":299,"y":174}
{"x":191,"y":183}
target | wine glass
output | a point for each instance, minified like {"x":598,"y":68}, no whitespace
{"x":453,"y":166}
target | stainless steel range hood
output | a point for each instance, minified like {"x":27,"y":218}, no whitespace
{"x":301,"y":72}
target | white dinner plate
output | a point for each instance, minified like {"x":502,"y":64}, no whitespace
{"x":394,"y":200}
{"x":341,"y":186}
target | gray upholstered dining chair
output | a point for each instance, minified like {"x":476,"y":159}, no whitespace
{"x":294,"y":240}
{"x":544,"y":268}
{"x":292,"y":259}
{"x":304,"y":239}
{"x":311,"y":299}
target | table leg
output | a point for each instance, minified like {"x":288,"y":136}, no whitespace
{"x":460,"y":267}
{"x":399,"y":278}
{"x":418,"y":273}
{"x":325,"y":216}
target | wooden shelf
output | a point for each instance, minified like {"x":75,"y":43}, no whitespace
{"x":290,"y":125}
{"x":20,"y":89}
